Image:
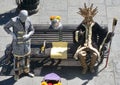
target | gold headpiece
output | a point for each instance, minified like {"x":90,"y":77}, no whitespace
{"x":88,"y":12}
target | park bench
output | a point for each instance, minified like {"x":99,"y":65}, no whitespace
{"x":43,"y":33}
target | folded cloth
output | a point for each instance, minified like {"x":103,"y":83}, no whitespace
{"x":59,"y":50}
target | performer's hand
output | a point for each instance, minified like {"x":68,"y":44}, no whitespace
{"x":109,"y":37}
{"x":25,"y":37}
{"x":81,"y":33}
{"x":85,"y":45}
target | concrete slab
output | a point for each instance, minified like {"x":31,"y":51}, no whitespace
{"x":5,"y":41}
{"x":113,"y":12}
{"x":55,"y":5}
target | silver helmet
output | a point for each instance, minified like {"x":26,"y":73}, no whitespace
{"x":23,"y":15}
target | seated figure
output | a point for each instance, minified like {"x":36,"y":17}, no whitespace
{"x":55,"y":22}
{"x":91,"y":38}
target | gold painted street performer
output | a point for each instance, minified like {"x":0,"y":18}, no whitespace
{"x":91,"y":37}
{"x":21,"y":31}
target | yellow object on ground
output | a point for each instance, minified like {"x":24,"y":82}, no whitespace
{"x":59,"y":50}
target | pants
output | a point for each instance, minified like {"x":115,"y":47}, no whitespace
{"x":82,"y":57}
{"x":21,"y":64}
{"x":82,"y":53}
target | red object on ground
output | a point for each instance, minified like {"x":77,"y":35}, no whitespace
{"x":50,"y":84}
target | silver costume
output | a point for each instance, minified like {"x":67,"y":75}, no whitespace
{"x":20,"y":45}
{"x":21,"y":31}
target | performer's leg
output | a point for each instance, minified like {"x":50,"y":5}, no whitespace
{"x":93,"y":61}
{"x":82,"y":57}
{"x":27,"y":64}
{"x":77,"y":52}
{"x":76,"y":56}
{"x":16,"y":67}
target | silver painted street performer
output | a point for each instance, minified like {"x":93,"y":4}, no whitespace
{"x":21,"y":31}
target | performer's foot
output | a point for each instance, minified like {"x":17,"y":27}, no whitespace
{"x":16,"y":77}
{"x":76,"y":58}
{"x":84,"y":71}
{"x":31,"y":74}
{"x":92,"y":70}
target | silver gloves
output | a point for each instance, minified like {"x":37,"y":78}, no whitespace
{"x":26,"y":36}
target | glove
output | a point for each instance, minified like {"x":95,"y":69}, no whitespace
{"x":110,"y":35}
{"x":25,"y":37}
{"x":13,"y":35}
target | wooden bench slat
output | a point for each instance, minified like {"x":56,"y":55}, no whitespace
{"x":50,"y":35}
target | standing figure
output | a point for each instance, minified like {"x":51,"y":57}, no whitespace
{"x":55,"y":22}
{"x":21,"y":31}
{"x":91,"y":37}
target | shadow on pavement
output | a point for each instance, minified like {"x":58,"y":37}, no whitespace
{"x":6,"y":61}
{"x":49,"y":65}
{"x":67,"y":72}
{"x":5,"y":17}
{"x":9,"y":81}
{"x":6,"y":67}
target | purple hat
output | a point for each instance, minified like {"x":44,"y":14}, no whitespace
{"x":52,"y":76}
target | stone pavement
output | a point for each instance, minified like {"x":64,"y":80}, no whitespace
{"x":107,"y":10}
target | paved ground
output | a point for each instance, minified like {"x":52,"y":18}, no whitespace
{"x":107,"y":9}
